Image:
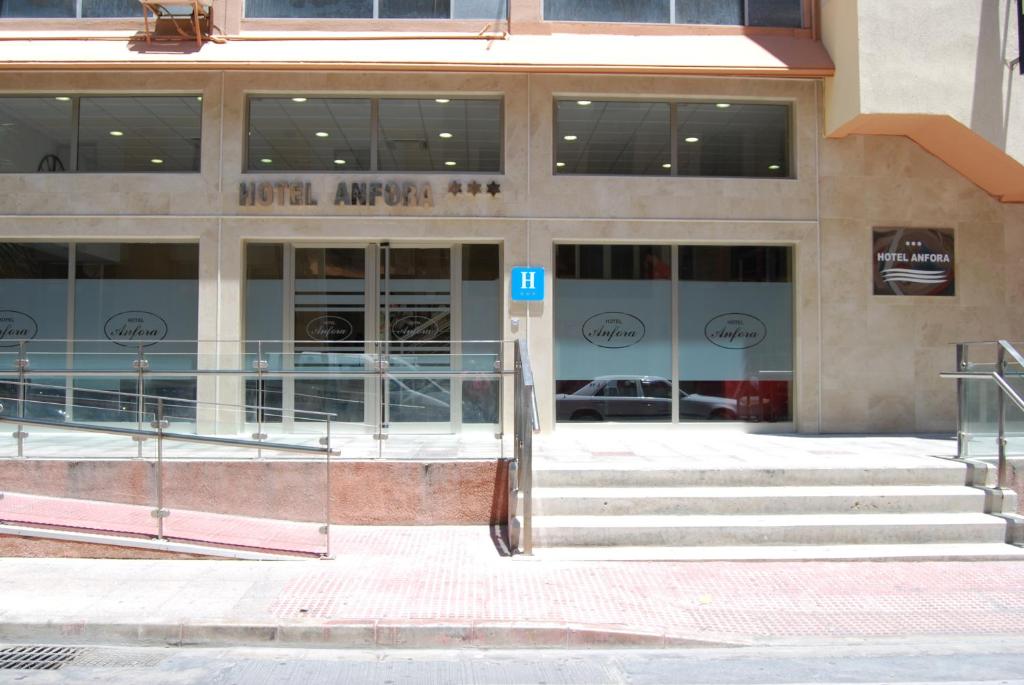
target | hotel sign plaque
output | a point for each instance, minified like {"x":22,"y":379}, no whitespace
{"x":356,"y":193}
{"x":913,"y":261}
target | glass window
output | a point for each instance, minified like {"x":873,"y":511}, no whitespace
{"x":316,"y":9}
{"x":479,"y":9}
{"x":309,"y":134}
{"x":787,"y":13}
{"x":775,"y":13}
{"x":33,"y":309}
{"x":111,"y":8}
{"x":440,"y":134}
{"x":733,"y":139}
{"x":481,"y":321}
{"x":735,"y":333}
{"x":628,"y":138}
{"x":385,"y":9}
{"x":653,"y":11}
{"x":415,"y":9}
{"x":613,"y":332}
{"x":132,"y":295}
{"x":35,"y":134}
{"x":151,"y":134}
{"x":729,"y":12}
{"x":41,"y":9}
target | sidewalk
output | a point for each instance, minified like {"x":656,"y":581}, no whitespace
{"x":448,"y":587}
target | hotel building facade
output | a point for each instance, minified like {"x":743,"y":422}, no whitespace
{"x":774,"y":214}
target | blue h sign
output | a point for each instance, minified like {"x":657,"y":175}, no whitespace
{"x":527,"y":284}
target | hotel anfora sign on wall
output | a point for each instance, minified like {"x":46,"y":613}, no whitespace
{"x":356,"y":193}
{"x":913,"y":261}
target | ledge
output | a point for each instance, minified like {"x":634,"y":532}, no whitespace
{"x":748,"y":55}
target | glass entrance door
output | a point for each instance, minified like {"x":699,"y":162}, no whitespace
{"x":376,"y":334}
{"x":415,"y":326}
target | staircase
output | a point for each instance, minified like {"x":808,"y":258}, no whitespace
{"x":800,"y":508}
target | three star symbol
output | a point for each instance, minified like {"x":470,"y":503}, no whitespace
{"x":474,"y":188}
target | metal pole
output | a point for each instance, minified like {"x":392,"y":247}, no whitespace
{"x":22,"y":364}
{"x":160,"y":513}
{"x":1002,"y":478}
{"x":140,"y":365}
{"x":326,"y":530}
{"x":961,"y":429}
{"x":261,"y":366}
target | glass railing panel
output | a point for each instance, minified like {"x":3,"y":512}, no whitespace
{"x":981,"y":404}
{"x":85,"y":482}
{"x":266,"y":501}
{"x":1014,"y":374}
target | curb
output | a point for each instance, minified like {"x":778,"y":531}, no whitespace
{"x":353,"y":635}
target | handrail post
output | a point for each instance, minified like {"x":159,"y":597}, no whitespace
{"x":961,"y":400}
{"x":1001,"y":476}
{"x":160,"y":513}
{"x":141,"y":364}
{"x":22,"y":364}
{"x":261,"y":366}
{"x":526,"y":476}
{"x":326,"y":530}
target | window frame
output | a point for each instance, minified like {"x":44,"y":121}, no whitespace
{"x":673,"y":104}
{"x":672,"y":18}
{"x":73,"y":139}
{"x":375,"y":99}
{"x":77,"y":15}
{"x":375,"y":15}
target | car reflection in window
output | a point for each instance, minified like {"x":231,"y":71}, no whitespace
{"x":637,"y":398}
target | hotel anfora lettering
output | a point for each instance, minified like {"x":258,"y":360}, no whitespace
{"x":346,"y":194}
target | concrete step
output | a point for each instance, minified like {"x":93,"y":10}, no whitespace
{"x":837,"y":499}
{"x":991,"y":551}
{"x":928,"y":472}
{"x":813,"y":529}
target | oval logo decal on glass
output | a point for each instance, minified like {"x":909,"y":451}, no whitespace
{"x":613,"y":330}
{"x":735,"y":331}
{"x":134,"y":326}
{"x":15,"y":326}
{"x":329,"y":328}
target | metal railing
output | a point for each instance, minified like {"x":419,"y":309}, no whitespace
{"x":402,"y":382}
{"x":155,"y":425}
{"x":520,"y":471}
{"x":975,"y":361}
{"x":408,"y":378}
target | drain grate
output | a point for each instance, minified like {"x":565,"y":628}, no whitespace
{"x":36,"y":657}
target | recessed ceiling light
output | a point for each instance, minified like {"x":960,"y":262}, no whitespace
{"x":774,"y":167}
{"x":559,"y":164}
{"x":691,"y":139}
{"x":298,"y":99}
{"x":444,"y":134}
{"x":583,"y":103}
{"x":266,"y":160}
{"x":64,"y":98}
{"x":570,"y":138}
{"x":321,"y":134}
{"x":449,"y":163}
{"x":339,"y":161}
{"x":442,"y":101}
{"x":666,"y":166}
{"x":117,"y":133}
{"x":723,"y":105}
{"x":156,"y":160}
